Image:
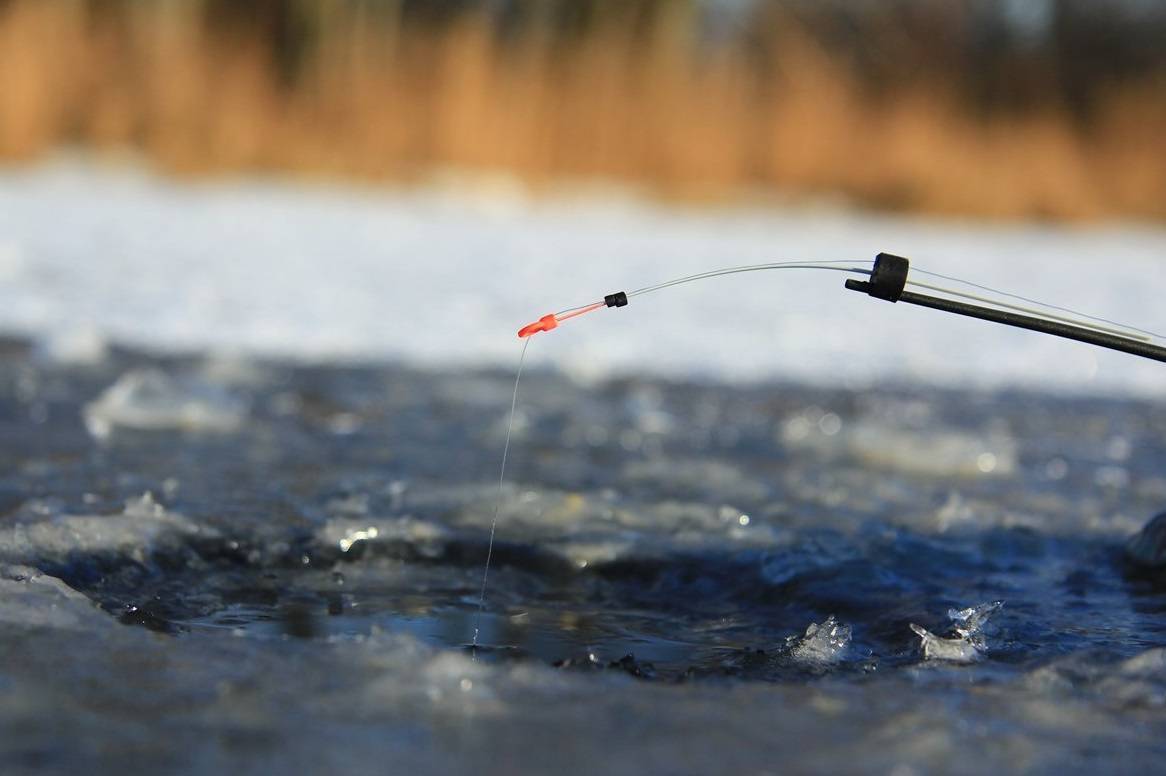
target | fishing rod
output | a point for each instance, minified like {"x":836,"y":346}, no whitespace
{"x":888,"y":280}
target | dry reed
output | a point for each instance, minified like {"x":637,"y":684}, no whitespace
{"x":380,"y":99}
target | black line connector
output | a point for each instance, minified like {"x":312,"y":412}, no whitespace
{"x":618,"y":299}
{"x":889,"y":277}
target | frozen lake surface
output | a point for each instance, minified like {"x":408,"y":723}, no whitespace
{"x":256,"y":566}
{"x":252,"y":542}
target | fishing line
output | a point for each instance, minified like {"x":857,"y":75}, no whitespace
{"x":887,"y":280}
{"x":1089,"y":320}
{"x":498,"y":501}
{"x":1020,"y":298}
{"x":572,"y":312}
{"x":827,"y":265}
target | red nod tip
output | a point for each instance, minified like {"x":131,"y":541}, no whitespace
{"x":548,"y":322}
{"x":545,"y":323}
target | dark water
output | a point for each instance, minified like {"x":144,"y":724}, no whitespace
{"x":681,"y":534}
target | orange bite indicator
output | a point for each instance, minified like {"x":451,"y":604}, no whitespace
{"x":551,"y":321}
{"x":545,"y":323}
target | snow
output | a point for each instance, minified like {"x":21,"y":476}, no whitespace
{"x":446,"y":277}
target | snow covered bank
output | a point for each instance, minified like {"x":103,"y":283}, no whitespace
{"x":339,"y":274}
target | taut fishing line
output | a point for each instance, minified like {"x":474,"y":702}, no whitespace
{"x":888,"y":280}
{"x":498,"y":502}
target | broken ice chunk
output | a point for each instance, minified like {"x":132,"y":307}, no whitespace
{"x":823,"y":642}
{"x":420,"y":536}
{"x":148,"y":399}
{"x":144,"y":506}
{"x":142,"y":531}
{"x":968,"y":645}
{"x":969,"y":622}
{"x":956,"y":650}
{"x":937,"y":452}
{"x":80,"y":346}
{"x":1147,"y":548}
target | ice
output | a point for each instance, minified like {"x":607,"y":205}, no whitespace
{"x":955,"y":650}
{"x":81,"y":346}
{"x":144,"y":506}
{"x":143,"y":529}
{"x":903,"y":444}
{"x":693,"y":476}
{"x":151,"y":400}
{"x":823,"y":642}
{"x":1147,"y":548}
{"x":969,"y":645}
{"x":970,"y":622}
{"x":419,"y":536}
{"x":684,"y":521}
{"x":933,"y":451}
{"x":1137,"y":683}
{"x":31,"y":599}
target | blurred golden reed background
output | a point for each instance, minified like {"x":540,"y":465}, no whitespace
{"x":1031,"y":108}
